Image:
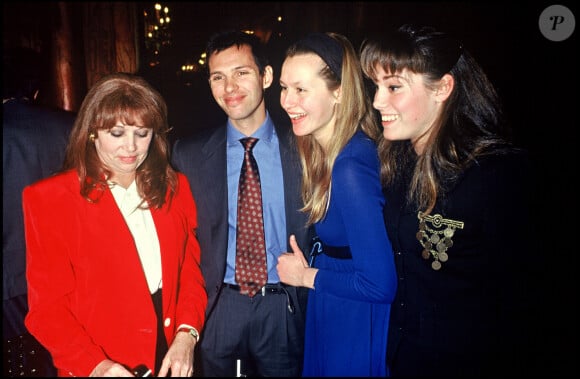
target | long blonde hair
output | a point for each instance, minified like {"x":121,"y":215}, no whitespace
{"x":353,"y":113}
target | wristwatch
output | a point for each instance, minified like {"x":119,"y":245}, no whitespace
{"x":191,"y":331}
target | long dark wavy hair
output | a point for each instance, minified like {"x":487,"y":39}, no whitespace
{"x":127,"y":98}
{"x":470,"y":125}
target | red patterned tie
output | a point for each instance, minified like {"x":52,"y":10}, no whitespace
{"x":251,"y":272}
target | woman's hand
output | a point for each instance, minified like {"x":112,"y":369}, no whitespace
{"x":293,"y":268}
{"x":179,"y":357}
{"x":109,"y":368}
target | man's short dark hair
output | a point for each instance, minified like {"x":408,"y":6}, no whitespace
{"x":225,"y":39}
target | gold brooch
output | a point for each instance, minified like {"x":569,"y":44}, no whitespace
{"x":435,"y":234}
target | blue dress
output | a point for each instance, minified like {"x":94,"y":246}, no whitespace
{"x":347,"y":314}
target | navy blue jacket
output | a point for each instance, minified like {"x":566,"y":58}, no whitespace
{"x":34,"y":140}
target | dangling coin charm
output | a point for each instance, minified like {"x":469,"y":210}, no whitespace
{"x":435,"y":233}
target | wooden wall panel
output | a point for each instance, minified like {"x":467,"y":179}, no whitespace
{"x":110,"y":41}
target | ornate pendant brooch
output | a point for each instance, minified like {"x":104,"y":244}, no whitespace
{"x":435,"y":233}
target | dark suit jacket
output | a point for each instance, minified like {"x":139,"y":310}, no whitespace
{"x":33,"y":146}
{"x":202,"y":159}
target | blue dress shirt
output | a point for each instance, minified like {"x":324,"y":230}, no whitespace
{"x":267,"y":155}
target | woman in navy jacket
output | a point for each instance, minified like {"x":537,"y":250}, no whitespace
{"x":457,"y":210}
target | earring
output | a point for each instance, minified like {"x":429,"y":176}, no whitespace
{"x":92,"y":137}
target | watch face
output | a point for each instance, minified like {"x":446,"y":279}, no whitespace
{"x":194,"y":333}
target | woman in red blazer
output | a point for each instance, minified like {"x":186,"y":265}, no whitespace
{"x":112,"y":258}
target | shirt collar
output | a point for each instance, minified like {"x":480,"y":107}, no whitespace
{"x":265,"y":132}
{"x":119,"y":192}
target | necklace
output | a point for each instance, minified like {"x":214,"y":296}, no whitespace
{"x":435,"y":233}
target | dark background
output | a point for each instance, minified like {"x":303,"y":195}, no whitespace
{"x":537,"y":79}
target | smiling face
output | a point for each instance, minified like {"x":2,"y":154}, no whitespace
{"x":306,"y":98}
{"x":409,"y":109}
{"x":122,"y":149}
{"x":238,"y":87}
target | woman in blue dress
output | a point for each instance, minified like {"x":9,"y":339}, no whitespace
{"x":353,"y":279}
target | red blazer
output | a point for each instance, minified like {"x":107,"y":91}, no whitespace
{"x":87,"y":291}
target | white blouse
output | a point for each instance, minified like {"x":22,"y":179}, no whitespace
{"x":142,"y":227}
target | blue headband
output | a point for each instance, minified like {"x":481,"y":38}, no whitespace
{"x":327,"y":48}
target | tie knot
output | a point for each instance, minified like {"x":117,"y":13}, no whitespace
{"x":248,"y":143}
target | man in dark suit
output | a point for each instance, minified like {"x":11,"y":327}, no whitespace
{"x":260,"y":335}
{"x":34,"y":140}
